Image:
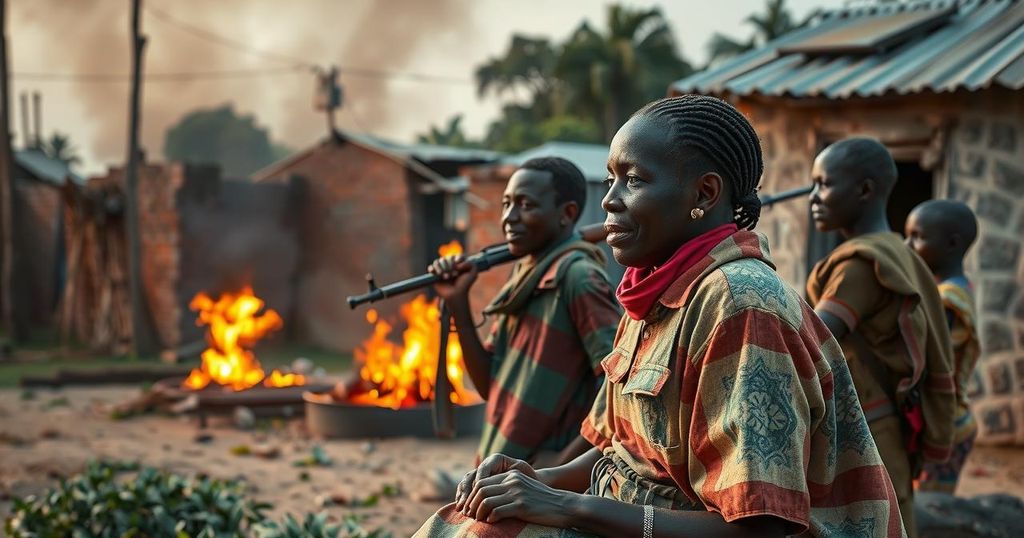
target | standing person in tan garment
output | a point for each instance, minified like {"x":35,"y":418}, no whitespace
{"x":879,"y":300}
{"x":941,"y":231}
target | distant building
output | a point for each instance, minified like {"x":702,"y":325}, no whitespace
{"x":37,"y":201}
{"x":368,"y":206}
{"x":941,"y":83}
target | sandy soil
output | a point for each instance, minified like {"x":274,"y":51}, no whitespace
{"x":41,"y":441}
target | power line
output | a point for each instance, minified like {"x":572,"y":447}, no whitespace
{"x":228,"y":74}
{"x":157,"y":77}
{"x":245,"y":48}
{"x":295,"y":65}
{"x":224,"y":41}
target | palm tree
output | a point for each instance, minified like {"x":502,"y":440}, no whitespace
{"x":607,"y":76}
{"x":59,"y":147}
{"x":449,"y":135}
{"x":526,"y":66}
{"x":775,"y":21}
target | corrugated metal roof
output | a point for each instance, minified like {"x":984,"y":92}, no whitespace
{"x":980,"y":46}
{"x":424,"y":152}
{"x":592,"y":159}
{"x":44,"y":167}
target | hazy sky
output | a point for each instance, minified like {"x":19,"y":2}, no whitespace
{"x":446,"y":38}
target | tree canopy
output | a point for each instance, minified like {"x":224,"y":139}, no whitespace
{"x":221,"y":136}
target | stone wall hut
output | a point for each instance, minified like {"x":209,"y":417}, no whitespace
{"x":941,"y":83}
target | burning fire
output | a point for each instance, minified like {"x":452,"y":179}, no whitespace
{"x":235,"y":324}
{"x":399,"y":376}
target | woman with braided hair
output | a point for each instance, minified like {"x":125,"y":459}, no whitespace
{"x":728,"y":409}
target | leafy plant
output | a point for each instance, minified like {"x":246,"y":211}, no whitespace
{"x":153,"y":503}
{"x":157,"y":503}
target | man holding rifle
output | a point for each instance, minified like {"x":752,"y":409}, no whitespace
{"x":554,"y":320}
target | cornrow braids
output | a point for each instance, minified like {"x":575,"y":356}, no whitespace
{"x":721,"y":133}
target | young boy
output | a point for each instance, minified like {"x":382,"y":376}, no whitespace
{"x":554,"y":320}
{"x":879,"y":300}
{"x":941,"y":231}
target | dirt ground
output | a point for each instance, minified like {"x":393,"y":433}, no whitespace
{"x":56,"y":432}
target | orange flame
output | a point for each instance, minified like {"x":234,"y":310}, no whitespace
{"x":234,"y":324}
{"x":403,"y":375}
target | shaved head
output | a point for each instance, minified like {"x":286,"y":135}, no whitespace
{"x":859,"y":159}
{"x":951,"y":219}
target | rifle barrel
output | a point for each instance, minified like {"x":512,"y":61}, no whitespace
{"x":771,"y":199}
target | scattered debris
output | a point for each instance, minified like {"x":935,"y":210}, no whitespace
{"x":244,"y":418}
{"x":302,"y":366}
{"x":11,"y":439}
{"x":263,"y":450}
{"x":60,"y":401}
{"x":203,"y":438}
{"x":266,"y":451}
{"x":318,"y":458}
{"x":368,"y":447}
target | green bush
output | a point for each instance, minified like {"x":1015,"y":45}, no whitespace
{"x":157,"y":504}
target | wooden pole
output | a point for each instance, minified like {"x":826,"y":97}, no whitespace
{"x":6,"y":188}
{"x":37,"y":111}
{"x":26,"y":131}
{"x":141,"y":337}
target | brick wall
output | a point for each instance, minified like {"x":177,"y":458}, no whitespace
{"x":38,"y":212}
{"x":159,"y":244}
{"x":354,"y":220}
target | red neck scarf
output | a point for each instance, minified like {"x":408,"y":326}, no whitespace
{"x":642,"y":287}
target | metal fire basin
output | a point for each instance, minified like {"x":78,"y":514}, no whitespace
{"x":339,"y":420}
{"x":217,"y":399}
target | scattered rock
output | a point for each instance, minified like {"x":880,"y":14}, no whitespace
{"x":941,"y":515}
{"x":303,"y":366}
{"x":369,"y":447}
{"x":203,"y":438}
{"x":244,"y":418}
{"x":49,"y":433}
{"x":266,"y":451}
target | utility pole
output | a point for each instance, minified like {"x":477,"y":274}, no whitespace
{"x":141,"y":336}
{"x":37,"y":110}
{"x":6,"y":189}
{"x":328,"y":96}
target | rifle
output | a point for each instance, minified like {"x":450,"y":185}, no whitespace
{"x":772,"y":199}
{"x":499,"y":254}
{"x":485,"y":259}
{"x":442,"y":409}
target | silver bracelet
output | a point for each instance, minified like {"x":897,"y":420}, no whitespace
{"x":648,"y":521}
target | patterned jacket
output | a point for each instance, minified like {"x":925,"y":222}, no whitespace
{"x":734,"y":391}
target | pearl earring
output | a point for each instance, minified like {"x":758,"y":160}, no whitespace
{"x":696,"y":213}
